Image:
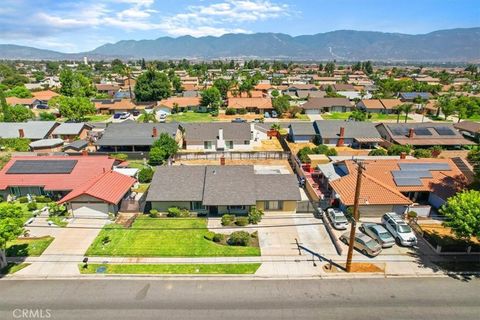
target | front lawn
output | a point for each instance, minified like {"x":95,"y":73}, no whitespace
{"x":162,"y":237}
{"x":59,"y":221}
{"x":11,"y":268}
{"x":374,"y":116}
{"x":191,"y":116}
{"x":98,"y":118}
{"x":240,"y":268}
{"x":28,"y":247}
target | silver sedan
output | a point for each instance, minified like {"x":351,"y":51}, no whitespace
{"x":378,"y":233}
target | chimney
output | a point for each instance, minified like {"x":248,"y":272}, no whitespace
{"x":84,"y":153}
{"x":222,"y":161}
{"x":411,"y":131}
{"x":154,"y":132}
{"x":220,"y":134}
{"x":341,"y":140}
{"x":21,"y":133}
{"x":403,"y":155}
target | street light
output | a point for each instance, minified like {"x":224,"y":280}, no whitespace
{"x":348,"y":265}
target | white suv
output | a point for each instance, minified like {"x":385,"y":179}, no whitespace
{"x":399,"y":229}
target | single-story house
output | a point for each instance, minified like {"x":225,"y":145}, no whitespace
{"x":217,"y":190}
{"x":183,"y":104}
{"x":47,"y":145}
{"x":107,"y":88}
{"x":320,"y":105}
{"x":256,"y":105}
{"x":133,"y":136}
{"x":410,"y":96}
{"x":469,"y":129}
{"x":302,"y":132}
{"x":227,"y":136}
{"x":76,"y":146}
{"x":71,"y":131}
{"x":33,"y":130}
{"x":115,"y":105}
{"x":347,"y":133}
{"x":391,"y":104}
{"x":99,"y":196}
{"x":396,"y":185}
{"x":423,"y":135}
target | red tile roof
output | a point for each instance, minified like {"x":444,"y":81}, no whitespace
{"x":87,"y":167}
{"x":109,"y":187}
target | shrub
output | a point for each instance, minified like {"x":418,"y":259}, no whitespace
{"x":412,"y":215}
{"x":255,"y":215}
{"x":55,"y":209}
{"x":1,"y":199}
{"x":175,"y":212}
{"x":422,"y":153}
{"x":209,"y":235}
{"x":228,"y":219}
{"x":242,"y":111}
{"x":32,"y":206}
{"x":119,"y":156}
{"x":42,"y":199}
{"x":145,"y":175}
{"x":331,"y":152}
{"x":241,"y":221}
{"x":230,"y":112}
{"x":153,"y":213}
{"x":214,"y":113}
{"x":156,"y":156}
{"x":239,"y":238}
{"x":396,"y":149}
{"x":218,"y":237}
{"x":378,"y":152}
{"x":22,"y":199}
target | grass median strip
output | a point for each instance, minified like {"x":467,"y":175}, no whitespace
{"x":28,"y":246}
{"x":11,"y":268}
{"x":240,"y":268}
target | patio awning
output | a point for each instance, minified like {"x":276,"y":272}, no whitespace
{"x":368,"y":140}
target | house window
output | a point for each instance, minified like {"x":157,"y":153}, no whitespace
{"x":207,"y":145}
{"x":197,"y":205}
{"x":235,"y":208}
{"x":228,"y":145}
{"x":247,"y":142}
{"x":273,"y":205}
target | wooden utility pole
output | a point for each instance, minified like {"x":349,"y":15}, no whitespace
{"x":353,"y":228}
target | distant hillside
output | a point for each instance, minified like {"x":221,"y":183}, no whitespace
{"x":444,"y":45}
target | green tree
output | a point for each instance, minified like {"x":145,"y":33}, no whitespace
{"x":167,"y":144}
{"x":463,"y":214}
{"x":117,"y":66}
{"x":46,"y":116}
{"x":474,"y":158}
{"x":396,"y":149}
{"x":422,"y":153}
{"x":156,"y":156}
{"x":75,"y":84}
{"x":148,"y":117}
{"x":73,"y":108}
{"x":11,"y":226}
{"x":177,"y":84}
{"x":17,"y":113}
{"x":211,"y":98}
{"x":19,"y":92}
{"x":281,"y":104}
{"x":145,"y":175}
{"x":152,"y":86}
{"x":378,"y":152}
{"x":330,"y":68}
{"x":407,"y":108}
{"x":358,"y":115}
{"x":223,"y":85}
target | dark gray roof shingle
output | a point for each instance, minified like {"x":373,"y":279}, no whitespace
{"x":134,"y":134}
{"x":330,"y":129}
{"x":282,"y":187}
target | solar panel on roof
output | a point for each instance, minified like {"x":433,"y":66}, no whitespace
{"x":412,"y":174}
{"x":422,"y":132}
{"x":401,"y":182}
{"x":444,"y":131}
{"x":429,"y":166}
{"x":42,"y":167}
{"x":398,"y":131}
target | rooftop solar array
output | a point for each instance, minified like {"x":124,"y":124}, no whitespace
{"x":422,"y":131}
{"x":434,"y":166}
{"x":412,"y":174}
{"x":403,"y":182}
{"x":42,"y":167}
{"x":444,"y":131}
{"x":398,"y":131}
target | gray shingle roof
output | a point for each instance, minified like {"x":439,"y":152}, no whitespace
{"x":134,"y":134}
{"x":303,"y":129}
{"x":46,"y":143}
{"x":229,"y":185}
{"x":318,"y":103}
{"x":69,"y":128}
{"x":33,"y":130}
{"x":209,"y":131}
{"x":177,"y":183}
{"x":282,"y":187}
{"x":76,"y":145}
{"x":330,"y":129}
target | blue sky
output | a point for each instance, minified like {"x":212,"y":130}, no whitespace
{"x":80,"y":25}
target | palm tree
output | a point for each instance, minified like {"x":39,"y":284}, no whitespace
{"x":399,"y":110}
{"x":148,"y":116}
{"x":128,"y":73}
{"x":407,"y":108}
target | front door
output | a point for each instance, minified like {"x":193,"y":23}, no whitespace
{"x":213,"y":210}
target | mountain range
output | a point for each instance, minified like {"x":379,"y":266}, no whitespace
{"x":453,"y":45}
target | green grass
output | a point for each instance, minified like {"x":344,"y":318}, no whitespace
{"x":26,"y":214}
{"x":137,"y":164}
{"x":163,"y":237}
{"x":375,"y":116}
{"x":191,"y":116}
{"x":11,"y":268}
{"x":28,"y":247}
{"x":98,"y":118}
{"x":142,"y":187}
{"x":302,"y":117}
{"x":58,"y":220}
{"x":240,"y":268}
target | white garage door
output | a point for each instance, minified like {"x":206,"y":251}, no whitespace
{"x":90,"y":210}
{"x":312,"y":111}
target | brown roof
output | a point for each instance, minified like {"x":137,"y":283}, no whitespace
{"x":264,"y":86}
{"x":390,"y":103}
{"x":181,"y":101}
{"x":14,"y":100}
{"x":44,"y":95}
{"x":253,"y":94}
{"x":240,"y":103}
{"x":469,"y":126}
{"x":372,"y":104}
{"x":317,"y":103}
{"x":123,"y":104}
{"x":107,"y":87}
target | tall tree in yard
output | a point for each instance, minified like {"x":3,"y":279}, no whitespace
{"x":11,"y":226}
{"x":152,"y":86}
{"x":211,"y":98}
{"x":463,"y":214}
{"x":407,"y":108}
{"x":399,"y":110}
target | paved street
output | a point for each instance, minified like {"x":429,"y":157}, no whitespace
{"x":434,"y":298}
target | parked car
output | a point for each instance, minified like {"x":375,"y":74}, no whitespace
{"x":378,"y":233}
{"x":136,"y":113}
{"x":42,"y":106}
{"x":117,"y":115}
{"x":125,"y":115}
{"x":399,"y":229}
{"x":239,"y":120}
{"x":363,"y":243}
{"x":274,"y":114}
{"x":267,"y":115}
{"x":337,"y":218}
